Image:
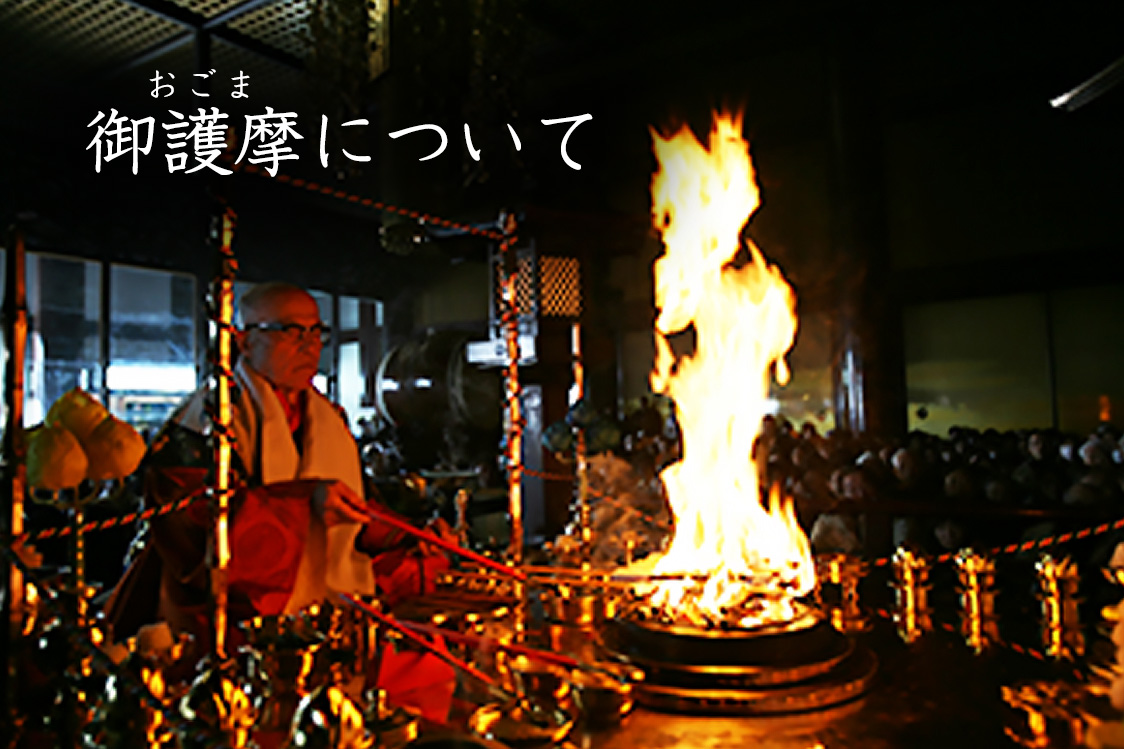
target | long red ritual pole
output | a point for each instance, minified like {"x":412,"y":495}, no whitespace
{"x":402,"y":525}
{"x":466,"y":639}
{"x":414,"y":637}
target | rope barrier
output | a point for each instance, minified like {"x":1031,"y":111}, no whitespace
{"x":1013,"y":646}
{"x":128,"y":518}
{"x":1013,"y":548}
{"x":1040,"y":543}
{"x":101,"y":525}
{"x":378,"y":205}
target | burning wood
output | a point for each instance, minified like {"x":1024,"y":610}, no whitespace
{"x":755,"y":559}
{"x":750,"y":601}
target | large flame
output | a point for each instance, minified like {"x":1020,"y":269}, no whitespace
{"x":755,"y":560}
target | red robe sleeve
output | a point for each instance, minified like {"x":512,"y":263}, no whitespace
{"x":267,"y":540}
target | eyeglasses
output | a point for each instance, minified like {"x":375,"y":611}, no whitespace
{"x":295,"y":331}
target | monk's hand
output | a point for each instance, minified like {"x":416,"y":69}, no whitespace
{"x":337,"y":503}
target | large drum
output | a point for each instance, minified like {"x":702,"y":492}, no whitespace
{"x":438,"y":401}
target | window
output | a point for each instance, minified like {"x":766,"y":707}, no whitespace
{"x":325,"y":378}
{"x":151,"y":344}
{"x":362,"y":338}
{"x":64,"y":330}
{"x":147,"y":362}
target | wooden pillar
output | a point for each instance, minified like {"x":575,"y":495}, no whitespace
{"x":869,"y":369}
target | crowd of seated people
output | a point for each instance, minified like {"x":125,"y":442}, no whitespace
{"x":971,"y":487}
{"x":979,"y":479}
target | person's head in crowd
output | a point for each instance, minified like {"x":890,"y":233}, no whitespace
{"x":932,"y":455}
{"x":812,"y":486}
{"x":1108,"y":432}
{"x":784,"y":426}
{"x":1036,"y":446}
{"x":886,"y":454}
{"x":855,"y":485}
{"x":769,"y":426}
{"x":825,"y":449}
{"x":988,"y":443}
{"x":1009,"y":448}
{"x":1067,"y":450}
{"x":804,"y":456}
{"x":999,"y":490}
{"x":949,"y":535}
{"x":835,"y":481}
{"x":904,"y":463}
{"x":842,"y":446}
{"x":1093,"y":453}
{"x":879,"y":476}
{"x":959,"y":485}
{"x":282,"y":335}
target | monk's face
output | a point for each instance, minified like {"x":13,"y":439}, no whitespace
{"x":281,"y":339}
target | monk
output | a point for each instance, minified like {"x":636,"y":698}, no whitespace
{"x":300,"y":528}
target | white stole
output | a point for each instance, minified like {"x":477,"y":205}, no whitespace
{"x":330,"y":564}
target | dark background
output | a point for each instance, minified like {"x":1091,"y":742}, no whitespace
{"x":907,"y":153}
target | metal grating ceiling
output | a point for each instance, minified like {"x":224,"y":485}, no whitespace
{"x":208,"y":8}
{"x":272,"y":84}
{"x":62,"y":41}
{"x":51,"y":34}
{"x":282,"y":25}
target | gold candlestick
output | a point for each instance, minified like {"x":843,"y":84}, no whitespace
{"x":1047,"y":714}
{"x":843,"y":572}
{"x":217,"y":710}
{"x":132,"y":710}
{"x":911,"y":592}
{"x":283,"y":656}
{"x":1058,"y":582}
{"x":977,"y":599}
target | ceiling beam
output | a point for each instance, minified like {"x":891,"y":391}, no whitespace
{"x":194,"y":22}
{"x":257,"y":47}
{"x":230,"y":14}
{"x":169,"y":11}
{"x":151,"y":53}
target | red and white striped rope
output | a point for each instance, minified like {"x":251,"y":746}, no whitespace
{"x":114,"y":522}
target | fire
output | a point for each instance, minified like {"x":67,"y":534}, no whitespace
{"x":737,"y":561}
